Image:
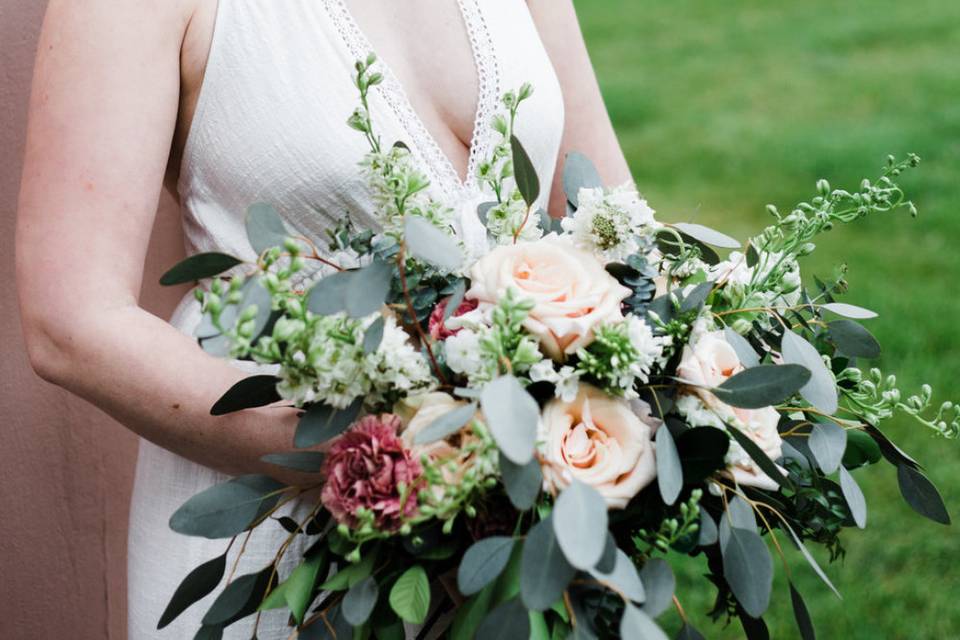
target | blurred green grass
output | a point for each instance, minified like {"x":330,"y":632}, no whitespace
{"x":723,"y":107}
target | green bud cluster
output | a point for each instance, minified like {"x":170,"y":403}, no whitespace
{"x":874,"y":397}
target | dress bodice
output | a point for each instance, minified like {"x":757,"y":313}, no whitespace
{"x":270,"y":123}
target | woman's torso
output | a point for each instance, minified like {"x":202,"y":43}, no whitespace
{"x":268,"y":124}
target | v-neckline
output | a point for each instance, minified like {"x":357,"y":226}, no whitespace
{"x":487,"y":77}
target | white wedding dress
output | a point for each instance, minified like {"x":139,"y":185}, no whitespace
{"x":270,"y":127}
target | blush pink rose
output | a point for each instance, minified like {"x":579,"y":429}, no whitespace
{"x":709,"y":362}
{"x":598,"y":440}
{"x":572,"y":292}
{"x":364,"y":469}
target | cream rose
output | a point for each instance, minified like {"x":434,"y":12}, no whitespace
{"x":598,"y":440}
{"x":708,"y":362}
{"x":419,"y":412}
{"x":571,"y":291}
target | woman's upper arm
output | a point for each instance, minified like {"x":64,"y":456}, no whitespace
{"x":102,"y":113}
{"x":587,"y":126}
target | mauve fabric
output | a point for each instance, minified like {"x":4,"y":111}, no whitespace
{"x":270,"y":127}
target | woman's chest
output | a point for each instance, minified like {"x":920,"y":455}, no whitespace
{"x":268,"y":88}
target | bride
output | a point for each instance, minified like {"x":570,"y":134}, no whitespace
{"x":231,"y":103}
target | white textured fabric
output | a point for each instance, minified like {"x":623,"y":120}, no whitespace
{"x":270,"y":127}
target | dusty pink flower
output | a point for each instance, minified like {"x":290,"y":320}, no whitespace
{"x":364,"y":469}
{"x":439,"y":331}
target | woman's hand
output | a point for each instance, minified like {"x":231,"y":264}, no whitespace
{"x":102,"y":116}
{"x":587,"y":126}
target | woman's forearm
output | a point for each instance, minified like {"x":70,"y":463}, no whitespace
{"x":160,"y":384}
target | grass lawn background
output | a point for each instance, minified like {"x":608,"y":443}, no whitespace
{"x":723,"y":107}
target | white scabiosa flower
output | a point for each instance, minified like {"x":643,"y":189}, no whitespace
{"x":608,"y":222}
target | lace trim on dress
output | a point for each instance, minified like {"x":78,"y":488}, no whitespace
{"x":448,"y":182}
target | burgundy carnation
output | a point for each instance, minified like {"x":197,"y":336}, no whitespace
{"x":363,"y":470}
{"x":437,"y":329}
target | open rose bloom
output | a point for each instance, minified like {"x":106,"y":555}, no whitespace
{"x":709,"y":362}
{"x":571,"y":291}
{"x":599,"y":441}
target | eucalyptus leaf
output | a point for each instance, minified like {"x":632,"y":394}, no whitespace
{"x":636,"y":623}
{"x":580,"y":522}
{"x":748,"y":569}
{"x":328,"y":295}
{"x":265,"y":228}
{"x":522,"y":482}
{"x":410,"y":595}
{"x":854,"y":497}
{"x":689,"y":632}
{"x":209,"y":633}
{"x":373,"y":336}
{"x":921,"y":494}
{"x":810,"y":559}
{"x":741,"y":514}
{"x":359,"y":601}
{"x":249,"y":393}
{"x":197,"y":585}
{"x":482,"y":563}
{"x":708,"y":529}
{"x":659,"y":584}
{"x":369,"y":288}
{"x":821,"y":390}
{"x":307,"y":461}
{"x":525,"y":173}
{"x":446,"y":425}
{"x":430,"y":244}
{"x":827,"y":442}
{"x":853,"y":340}
{"x":745,"y":352}
{"x":512,"y":416}
{"x":579,"y":172}
{"x":198,"y":267}
{"x":849,"y":310}
{"x":508,"y":621}
{"x":697,"y":297}
{"x":669,"y":470}
{"x":455,"y":299}
{"x":763,"y":385}
{"x":322,"y":422}
{"x":707,"y":235}
{"x":624,"y":578}
{"x":544,"y":571}
{"x":804,"y":623}
{"x":239,"y":599}
{"x":226,"y":509}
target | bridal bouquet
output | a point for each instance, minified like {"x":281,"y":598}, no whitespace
{"x":510,"y":423}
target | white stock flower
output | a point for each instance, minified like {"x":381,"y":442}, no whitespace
{"x":463,"y":352}
{"x":566,"y":381}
